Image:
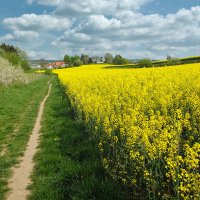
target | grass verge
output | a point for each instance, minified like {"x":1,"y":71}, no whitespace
{"x":68,"y":164}
{"x":18,"y":110}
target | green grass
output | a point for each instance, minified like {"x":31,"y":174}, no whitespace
{"x":18,"y":110}
{"x":68,"y":164}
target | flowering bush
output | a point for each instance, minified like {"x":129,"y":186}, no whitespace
{"x":147,"y":121}
{"x":11,"y":75}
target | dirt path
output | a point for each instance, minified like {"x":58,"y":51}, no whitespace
{"x":21,"y":174}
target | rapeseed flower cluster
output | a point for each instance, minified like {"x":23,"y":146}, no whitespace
{"x":147,"y":122}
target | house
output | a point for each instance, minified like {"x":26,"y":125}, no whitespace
{"x":100,"y":61}
{"x":49,"y":66}
{"x":56,"y":65}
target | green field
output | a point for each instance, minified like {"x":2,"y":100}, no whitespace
{"x":18,"y":109}
{"x":67,"y":164}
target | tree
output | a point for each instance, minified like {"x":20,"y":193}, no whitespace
{"x":174,"y":61}
{"x":72,"y":60}
{"x":90,"y":60}
{"x":76,"y":60}
{"x":169,"y":57}
{"x":67,"y":59}
{"x":119,"y":60}
{"x":85,"y":59}
{"x":108,"y":58}
{"x":145,"y":63}
{"x":15,"y":56}
{"x":9,"y":48}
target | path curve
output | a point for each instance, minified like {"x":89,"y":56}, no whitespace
{"x":21,"y":174}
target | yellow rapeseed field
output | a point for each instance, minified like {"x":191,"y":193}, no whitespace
{"x":147,"y":122}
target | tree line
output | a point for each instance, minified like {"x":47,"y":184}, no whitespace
{"x":86,"y":59}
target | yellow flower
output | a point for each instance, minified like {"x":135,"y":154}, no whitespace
{"x":156,"y":114}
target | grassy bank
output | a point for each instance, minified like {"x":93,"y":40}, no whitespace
{"x":12,"y":75}
{"x":68,"y":165}
{"x":18,"y":109}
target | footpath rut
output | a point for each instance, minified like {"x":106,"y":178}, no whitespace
{"x":21,"y":174}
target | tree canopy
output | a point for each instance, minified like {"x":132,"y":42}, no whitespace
{"x":15,"y":56}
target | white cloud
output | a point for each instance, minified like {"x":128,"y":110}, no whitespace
{"x":95,"y":23}
{"x":72,"y":36}
{"x":129,"y":31}
{"x":98,"y":26}
{"x":29,"y":1}
{"x":23,"y":36}
{"x":106,"y":7}
{"x":91,"y":6}
{"x":41,"y":55}
{"x":37,"y":22}
{"x":130,"y":4}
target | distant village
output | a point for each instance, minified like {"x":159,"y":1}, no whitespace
{"x":74,"y":61}
{"x":45,"y":64}
{"x":50,"y":65}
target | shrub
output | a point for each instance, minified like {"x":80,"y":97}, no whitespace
{"x":25,"y":65}
{"x":145,"y":63}
{"x":15,"y":56}
{"x":174,"y":61}
{"x":48,"y":72}
{"x":119,"y":60}
{"x":11,"y":75}
{"x":73,"y":60}
{"x":78,"y":62}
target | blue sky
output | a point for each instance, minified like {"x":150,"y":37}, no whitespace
{"x":16,"y":8}
{"x":135,"y":29}
{"x":164,"y":7}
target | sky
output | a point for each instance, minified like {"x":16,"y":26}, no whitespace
{"x":135,"y":29}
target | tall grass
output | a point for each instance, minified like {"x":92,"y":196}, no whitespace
{"x":18,"y":110}
{"x":68,"y":164}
